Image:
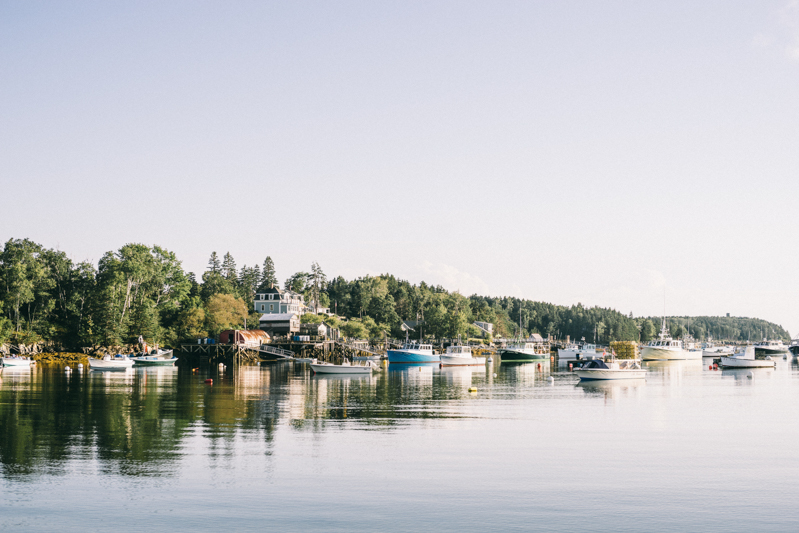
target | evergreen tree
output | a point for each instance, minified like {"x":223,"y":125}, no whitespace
{"x":268,"y":277}
{"x":214,"y":264}
{"x":229,"y":269}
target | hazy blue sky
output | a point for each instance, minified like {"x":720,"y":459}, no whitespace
{"x":560,"y":151}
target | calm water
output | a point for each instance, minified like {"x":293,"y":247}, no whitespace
{"x":274,"y":448}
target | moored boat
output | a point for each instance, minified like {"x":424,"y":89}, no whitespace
{"x":118,"y":362}
{"x":747,"y":358}
{"x":577,"y":351}
{"x":153,"y":360}
{"x":525,"y":351}
{"x":794,"y":348}
{"x":768,"y":347}
{"x":412,"y":352}
{"x":461,"y":356}
{"x":711,"y":350}
{"x":15,"y":360}
{"x":664,"y":348}
{"x":596,"y":369}
{"x":345,"y":368}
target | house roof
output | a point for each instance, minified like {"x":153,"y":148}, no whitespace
{"x":277,"y":317}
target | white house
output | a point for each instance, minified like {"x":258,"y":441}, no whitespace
{"x":276,"y":300}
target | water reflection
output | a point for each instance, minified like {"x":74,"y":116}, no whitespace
{"x":612,"y":389}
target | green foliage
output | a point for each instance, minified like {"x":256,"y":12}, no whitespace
{"x":224,"y":311}
{"x":310,"y":318}
{"x":297,"y":282}
{"x":268,"y":277}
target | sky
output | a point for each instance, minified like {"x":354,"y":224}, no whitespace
{"x":605,"y":153}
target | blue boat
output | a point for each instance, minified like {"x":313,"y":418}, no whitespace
{"x":412,"y":352}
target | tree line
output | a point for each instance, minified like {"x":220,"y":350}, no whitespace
{"x":142,"y":290}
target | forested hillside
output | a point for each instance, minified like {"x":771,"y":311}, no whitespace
{"x":143,"y":290}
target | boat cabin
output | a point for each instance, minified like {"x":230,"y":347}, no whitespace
{"x":665,"y":343}
{"x":462,"y":351}
{"x":418,"y":347}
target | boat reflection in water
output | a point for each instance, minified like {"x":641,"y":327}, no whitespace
{"x":746,"y":375}
{"x":460,"y":376}
{"x":525,"y":373}
{"x":612,"y":388}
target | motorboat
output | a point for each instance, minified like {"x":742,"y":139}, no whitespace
{"x":412,"y":352}
{"x":768,"y":347}
{"x":747,"y":358}
{"x":573,"y":352}
{"x":16,"y":361}
{"x":664,"y":348}
{"x":794,"y":348}
{"x":154,"y":360}
{"x":525,"y":351}
{"x":711,"y":350}
{"x":321,"y":367}
{"x":596,"y":369}
{"x":117,"y":362}
{"x":461,"y":356}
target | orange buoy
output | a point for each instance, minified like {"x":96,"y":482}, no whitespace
{"x":552,"y":358}
{"x":539,"y":366}
{"x":571,"y":366}
{"x":710,"y":367}
{"x":209,"y":381}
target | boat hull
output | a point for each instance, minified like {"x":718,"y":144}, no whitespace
{"x":140,"y":361}
{"x":516,"y":356}
{"x":98,"y":364}
{"x":736,"y":362}
{"x":448,"y":360}
{"x":651,"y":353}
{"x":11,"y":361}
{"x":574,"y":355}
{"x":405,"y":356}
{"x":340,"y":369}
{"x":771,"y":351}
{"x":607,"y":373}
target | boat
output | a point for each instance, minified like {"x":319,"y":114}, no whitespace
{"x":320,"y":367}
{"x":747,"y":358}
{"x":118,"y":362}
{"x":574,"y":352}
{"x":412,"y":352}
{"x":794,"y":348}
{"x":15,"y":360}
{"x":525,"y":351}
{"x":768,"y":347}
{"x":664,"y":348}
{"x":597,"y":369}
{"x":711,"y":350}
{"x":461,"y":356}
{"x":153,"y":360}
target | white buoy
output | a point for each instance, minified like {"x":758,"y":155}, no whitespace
{"x":750,"y":375}
{"x":495,"y":374}
{"x":67,"y":369}
{"x":80,"y":366}
{"x":551,"y":380}
{"x":490,"y":360}
{"x":784,"y":357}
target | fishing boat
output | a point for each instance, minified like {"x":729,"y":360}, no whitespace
{"x":535,"y":349}
{"x":664,"y":348}
{"x":412,"y":352}
{"x":154,"y":360}
{"x":747,"y":358}
{"x":794,"y":348}
{"x":574,"y":351}
{"x":768,"y":347}
{"x":346,"y":367}
{"x":597,"y":369}
{"x":15,"y":360}
{"x":117,"y":362}
{"x":711,"y":350}
{"x":461,"y":356}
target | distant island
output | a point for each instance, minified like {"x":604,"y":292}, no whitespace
{"x":142,"y":291}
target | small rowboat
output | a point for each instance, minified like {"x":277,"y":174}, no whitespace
{"x":344,"y":368}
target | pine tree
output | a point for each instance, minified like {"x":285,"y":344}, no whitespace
{"x":213,"y":263}
{"x":268,"y":277}
{"x":229,"y":268}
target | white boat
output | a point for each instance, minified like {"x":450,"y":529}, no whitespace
{"x":118,"y":362}
{"x":461,"y":356}
{"x":664,"y":348}
{"x":711,"y":350}
{"x":747,"y":359}
{"x":598,"y":369}
{"x":575,"y":351}
{"x":154,"y":360}
{"x":344,"y":368}
{"x":768,"y":347}
{"x":15,"y":360}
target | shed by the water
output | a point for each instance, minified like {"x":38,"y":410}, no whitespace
{"x":248,"y":338}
